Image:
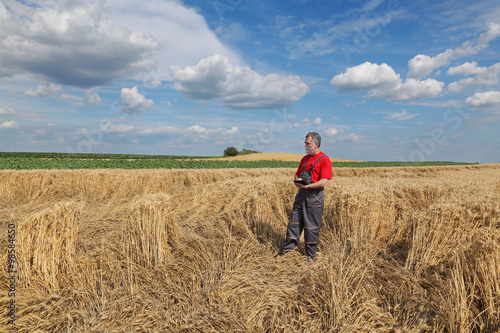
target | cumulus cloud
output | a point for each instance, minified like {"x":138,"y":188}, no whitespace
{"x":366,"y":76}
{"x":238,"y":87}
{"x":43,"y":91}
{"x":492,"y":33}
{"x":422,"y":65}
{"x":233,"y":130}
{"x":487,"y":77}
{"x":9,"y":124}
{"x":484,"y":99}
{"x":134,"y":102}
{"x":196,"y":129}
{"x":332,"y":132}
{"x":71,"y":42}
{"x":466,"y":69}
{"x":381,"y":81}
{"x":409,"y":90}
{"x":182,"y":33}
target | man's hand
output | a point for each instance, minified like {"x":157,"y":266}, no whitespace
{"x":298,"y":182}
{"x":314,"y":186}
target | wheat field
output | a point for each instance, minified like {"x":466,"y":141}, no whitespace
{"x":401,"y":250}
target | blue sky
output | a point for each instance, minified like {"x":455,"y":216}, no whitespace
{"x":379,"y":80}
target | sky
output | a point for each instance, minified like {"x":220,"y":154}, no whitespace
{"x":379,"y":80}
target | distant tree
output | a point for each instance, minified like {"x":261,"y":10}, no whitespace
{"x":230,"y":151}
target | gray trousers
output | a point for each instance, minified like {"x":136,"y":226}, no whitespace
{"x":306,"y":215}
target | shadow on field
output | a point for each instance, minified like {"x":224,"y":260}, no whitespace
{"x":266,"y":234}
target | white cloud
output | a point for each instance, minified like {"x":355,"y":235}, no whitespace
{"x":155,"y":83}
{"x":315,"y":122}
{"x":208,"y":133}
{"x":488,"y":77}
{"x":202,"y":132}
{"x":116,"y":128}
{"x":400,"y":116}
{"x":161,"y":129}
{"x":4,"y":110}
{"x":484,"y":99}
{"x":466,"y":69}
{"x":43,"y":91}
{"x":381,"y":81}
{"x":408,"y":90}
{"x":365,"y":76}
{"x":134,"y":102}
{"x":492,"y":33}
{"x":233,"y":130}
{"x":9,"y":124}
{"x":182,"y":34}
{"x":196,"y":129}
{"x":351,"y":137}
{"x":69,"y":42}
{"x":91,"y":97}
{"x":332,"y":132}
{"x":238,"y":87}
{"x":67,"y":98}
{"x":422,"y":65}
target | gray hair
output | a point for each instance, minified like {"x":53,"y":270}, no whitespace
{"x":316,"y":138}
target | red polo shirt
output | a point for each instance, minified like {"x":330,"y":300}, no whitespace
{"x":322,"y":169}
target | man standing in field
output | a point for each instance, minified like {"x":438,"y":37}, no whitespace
{"x":314,"y":171}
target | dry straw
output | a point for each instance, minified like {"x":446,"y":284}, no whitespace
{"x":401,"y":250}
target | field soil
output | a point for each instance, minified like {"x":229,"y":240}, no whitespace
{"x":401,"y":250}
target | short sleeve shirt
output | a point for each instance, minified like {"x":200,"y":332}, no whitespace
{"x":322,"y":169}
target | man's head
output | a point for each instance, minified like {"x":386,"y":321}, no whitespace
{"x":312,"y":143}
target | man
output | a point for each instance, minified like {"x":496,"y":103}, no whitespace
{"x":312,"y":174}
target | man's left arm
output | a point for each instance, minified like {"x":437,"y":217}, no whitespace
{"x":314,"y":186}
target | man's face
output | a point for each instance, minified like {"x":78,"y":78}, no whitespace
{"x":310,"y":146}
